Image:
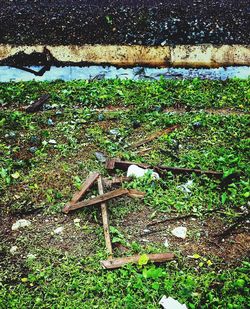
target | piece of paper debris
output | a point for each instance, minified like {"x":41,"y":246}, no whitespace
{"x":171,"y":303}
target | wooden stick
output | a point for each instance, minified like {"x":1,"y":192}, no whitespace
{"x":105,"y":220}
{"x":84,"y":188}
{"x":37,"y":105}
{"x":155,"y":135}
{"x":115,"y":180}
{"x":119,"y":262}
{"x":103,"y":198}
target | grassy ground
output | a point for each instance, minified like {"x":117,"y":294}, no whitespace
{"x":45,"y":156}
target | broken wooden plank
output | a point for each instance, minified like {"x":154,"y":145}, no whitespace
{"x":105,"y":220}
{"x":103,"y":198}
{"x":84,"y":188}
{"x":119,"y":262}
{"x":38,"y":104}
{"x":115,"y":180}
{"x":161,"y":170}
{"x":135,"y":193}
{"x":154,"y":136}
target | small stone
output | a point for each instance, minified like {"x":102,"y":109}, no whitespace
{"x":114,"y":132}
{"x":77,"y":220}
{"x":59,"y":230}
{"x":33,"y":149}
{"x":100,"y":157}
{"x":20,"y":224}
{"x":101,"y":117}
{"x":180,"y":232}
{"x":52,"y":142}
{"x":13,"y":250}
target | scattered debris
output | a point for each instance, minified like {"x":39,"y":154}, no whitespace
{"x":52,"y":142}
{"x":119,"y":262}
{"x":180,"y":232}
{"x":100,"y":157}
{"x":50,"y":122}
{"x":20,"y":224}
{"x":171,"y":303}
{"x":38,"y":105}
{"x":136,"y":171}
{"x":166,"y":243}
{"x":59,"y":230}
{"x":13,"y":250}
{"x":154,"y":136}
{"x":186,"y":186}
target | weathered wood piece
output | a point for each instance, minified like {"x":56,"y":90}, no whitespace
{"x":115,"y":181}
{"x":119,"y":262}
{"x":103,"y":198}
{"x":161,"y":170}
{"x":154,"y":136}
{"x":84,"y":188}
{"x":37,"y":105}
{"x":105,"y":220}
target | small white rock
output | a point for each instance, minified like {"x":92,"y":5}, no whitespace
{"x":180,"y":232}
{"x":52,"y":142}
{"x":20,"y":223}
{"x":59,"y":230}
{"x":77,"y":220}
{"x":31,"y":256}
{"x":13,"y":250}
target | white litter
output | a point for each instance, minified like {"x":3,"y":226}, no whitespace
{"x":13,"y":250}
{"x":171,"y":303}
{"x":59,"y":230}
{"x":166,"y":243}
{"x":137,"y":171}
{"x":180,"y":232}
{"x":20,"y":223}
{"x":186,"y":186}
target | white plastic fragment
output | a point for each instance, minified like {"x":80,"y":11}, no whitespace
{"x":20,"y":223}
{"x":180,"y":232}
{"x":171,"y":303}
{"x":13,"y":250}
{"x":137,"y":171}
{"x":59,"y":230}
{"x":52,"y":142}
{"x":186,"y":186}
{"x":166,"y":243}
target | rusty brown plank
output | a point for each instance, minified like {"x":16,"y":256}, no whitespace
{"x":105,"y":220}
{"x":98,"y":199}
{"x":84,"y":188}
{"x":119,"y":262}
{"x":124,"y":165}
{"x":155,"y":135}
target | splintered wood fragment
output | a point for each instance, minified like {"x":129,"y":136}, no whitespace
{"x":84,"y":188}
{"x":115,"y":180}
{"x":105,"y":220}
{"x":154,"y":136}
{"x":161,"y":170}
{"x":98,"y":199}
{"x":135,"y":193}
{"x":119,"y":262}
{"x":37,"y":105}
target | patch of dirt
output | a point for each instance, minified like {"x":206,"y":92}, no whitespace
{"x":199,"y":240}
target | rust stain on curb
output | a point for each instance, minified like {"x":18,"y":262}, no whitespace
{"x":193,"y":56}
